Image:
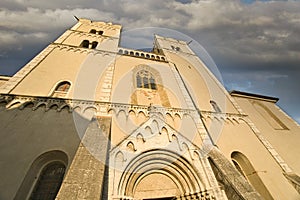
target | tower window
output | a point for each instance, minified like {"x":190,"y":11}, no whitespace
{"x":215,"y":106}
{"x":144,"y":79}
{"x":175,"y":48}
{"x":94,"y":45}
{"x":96,"y":32}
{"x":93,"y":31}
{"x":85,"y":44}
{"x":49,"y":181}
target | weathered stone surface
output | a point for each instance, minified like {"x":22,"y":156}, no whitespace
{"x":85,"y":177}
{"x":235,"y":185}
{"x":294,"y":180}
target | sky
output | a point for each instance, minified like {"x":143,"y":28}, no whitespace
{"x":254,"y":44}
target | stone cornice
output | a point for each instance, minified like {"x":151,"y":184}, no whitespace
{"x":47,"y":103}
{"x":247,"y":95}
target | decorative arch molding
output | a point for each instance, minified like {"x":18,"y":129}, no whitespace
{"x":35,"y":103}
{"x":165,"y":155}
{"x":35,"y":170}
{"x":163,"y":162}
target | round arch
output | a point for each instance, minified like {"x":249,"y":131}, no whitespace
{"x":35,"y":169}
{"x":161,"y":163}
{"x":245,"y":167}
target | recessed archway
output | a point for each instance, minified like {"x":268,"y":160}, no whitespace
{"x":159,"y":174}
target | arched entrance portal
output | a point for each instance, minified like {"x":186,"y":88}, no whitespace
{"x":160,"y":174}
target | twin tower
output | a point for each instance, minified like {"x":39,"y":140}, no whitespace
{"x":87,"y":119}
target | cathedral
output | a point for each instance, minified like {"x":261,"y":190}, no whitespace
{"x":88,"y":119}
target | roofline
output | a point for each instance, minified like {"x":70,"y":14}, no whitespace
{"x":4,"y":77}
{"x":253,"y":96}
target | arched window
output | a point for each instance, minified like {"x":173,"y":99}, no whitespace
{"x":215,"y":106}
{"x":96,"y":32}
{"x":148,"y":81}
{"x":245,"y":167}
{"x":44,"y":176}
{"x":49,"y":181}
{"x":144,"y":79}
{"x":93,"y":31}
{"x":63,"y":86}
{"x":61,"y":89}
{"x":85,"y":44}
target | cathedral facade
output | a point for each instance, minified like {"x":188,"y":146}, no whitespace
{"x":88,"y":119}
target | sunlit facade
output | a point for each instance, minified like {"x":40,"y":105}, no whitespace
{"x":88,"y":119}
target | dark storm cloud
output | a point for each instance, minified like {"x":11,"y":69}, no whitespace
{"x":255,"y":44}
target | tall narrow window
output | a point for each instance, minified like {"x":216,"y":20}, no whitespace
{"x":94,"y":45}
{"x":61,"y":89}
{"x":215,"y":106}
{"x":152,"y":83}
{"x":49,"y":181}
{"x":139,"y":81}
{"x":145,"y":82}
{"x":144,"y":79}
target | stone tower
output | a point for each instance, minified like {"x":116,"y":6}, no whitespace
{"x":87,"y":119}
